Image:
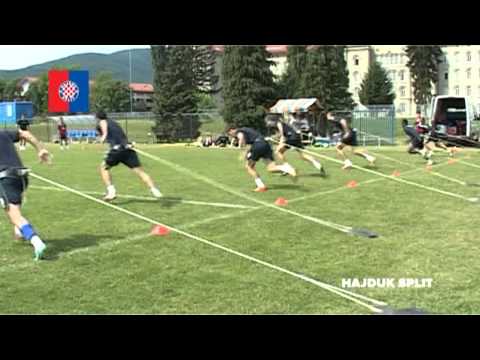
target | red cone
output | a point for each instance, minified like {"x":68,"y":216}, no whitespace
{"x":429,"y":168}
{"x":396,"y":173}
{"x":352,"y":184}
{"x":160,"y":230}
{"x":281,"y":202}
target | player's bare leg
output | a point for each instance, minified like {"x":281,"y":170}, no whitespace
{"x":107,"y":180}
{"x":285,"y":167}
{"x":365,"y":155}
{"x":26,"y":230}
{"x":250,"y":166}
{"x":347,"y":164}
{"x":147,"y":180}
{"x":312,"y":161}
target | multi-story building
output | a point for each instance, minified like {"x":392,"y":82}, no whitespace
{"x":459,"y":71}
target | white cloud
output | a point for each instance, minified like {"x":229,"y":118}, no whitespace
{"x":19,"y":56}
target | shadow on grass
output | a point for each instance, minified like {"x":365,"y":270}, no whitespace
{"x":165,"y":202}
{"x":56,"y":247}
{"x":288,"y":187}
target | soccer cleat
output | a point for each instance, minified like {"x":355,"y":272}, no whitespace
{"x":156,"y":193}
{"x":39,"y":252}
{"x":348,"y":165}
{"x":372,"y":161}
{"x":110,"y":197}
{"x":430,"y":163}
{"x":261,"y":189}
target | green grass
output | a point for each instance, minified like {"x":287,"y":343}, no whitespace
{"x":103,"y":261}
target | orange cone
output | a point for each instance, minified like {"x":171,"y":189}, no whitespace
{"x":281,"y":202}
{"x":396,"y":173}
{"x":352,"y":184}
{"x":160,"y":230}
{"x":429,"y":168}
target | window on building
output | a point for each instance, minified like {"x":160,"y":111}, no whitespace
{"x":469,"y":90}
{"x":356,"y":60}
{"x":469,"y":73}
{"x":402,"y":91}
{"x":446,"y":76}
{"x":469,"y":56}
{"x":357,"y":91}
{"x":401,"y":108}
{"x":392,"y":75}
{"x":401,"y":75}
{"x":457,"y":74}
{"x":457,"y":56}
{"x":457,"y":90}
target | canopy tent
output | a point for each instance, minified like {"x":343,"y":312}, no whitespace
{"x":296,"y":106}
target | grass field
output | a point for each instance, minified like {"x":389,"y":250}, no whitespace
{"x":103,"y":261}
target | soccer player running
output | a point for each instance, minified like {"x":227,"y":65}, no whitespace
{"x":120,"y":152}
{"x":347,"y":141}
{"x":14,"y":182}
{"x":291,"y":137}
{"x":259,"y":149}
{"x":417,"y":143}
{"x":62,"y":134}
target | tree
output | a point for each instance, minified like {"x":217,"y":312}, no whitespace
{"x":176,"y":91}
{"x":38,"y":94}
{"x":376,"y":87}
{"x":205,"y":76}
{"x":248,"y":85}
{"x":290,"y":82}
{"x":12,"y":90}
{"x":3,"y":83}
{"x":423,"y":64}
{"x":109,"y":95}
{"x":325,"y":77}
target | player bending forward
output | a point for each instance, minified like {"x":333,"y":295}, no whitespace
{"x":291,"y":137}
{"x":259,"y":149}
{"x":347,"y":141}
{"x":120,"y":152}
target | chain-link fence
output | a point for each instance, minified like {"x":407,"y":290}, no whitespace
{"x":375,"y":125}
{"x":139,"y":127}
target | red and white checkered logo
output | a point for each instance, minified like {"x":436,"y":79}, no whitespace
{"x":68,"y":91}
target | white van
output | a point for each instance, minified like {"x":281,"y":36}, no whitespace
{"x":454,"y":117}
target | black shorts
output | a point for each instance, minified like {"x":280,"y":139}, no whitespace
{"x":417,"y":142}
{"x":11,"y":190}
{"x":127,"y":157}
{"x":260,"y":150}
{"x":64,"y":137}
{"x":295,"y":142}
{"x":347,"y":139}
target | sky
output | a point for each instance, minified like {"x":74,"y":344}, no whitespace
{"x":14,"y":57}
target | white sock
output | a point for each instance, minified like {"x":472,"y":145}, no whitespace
{"x":317,"y":164}
{"x":259,"y":182}
{"x":111,"y":189}
{"x":369,"y":157}
{"x":36,"y":241}
{"x":348,"y":163}
{"x":285,"y":168}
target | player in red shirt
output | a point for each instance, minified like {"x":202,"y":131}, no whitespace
{"x":62,"y":134}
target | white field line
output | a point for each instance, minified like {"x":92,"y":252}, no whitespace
{"x":333,"y":289}
{"x":339,"y":227}
{"x":191,"y":202}
{"x":397,"y":179}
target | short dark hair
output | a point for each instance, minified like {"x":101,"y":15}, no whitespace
{"x":230,"y":127}
{"x":101,"y":115}
{"x":404,"y":122}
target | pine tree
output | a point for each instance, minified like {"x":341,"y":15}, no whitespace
{"x":38,"y":94}
{"x":175,"y":92}
{"x":325,"y":77}
{"x":109,"y":95}
{"x":423,"y":64}
{"x":248,"y":85}
{"x":376,"y":87}
{"x":290,"y":81}
{"x":204,"y":61}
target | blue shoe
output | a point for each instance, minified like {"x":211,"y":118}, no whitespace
{"x":39,"y":252}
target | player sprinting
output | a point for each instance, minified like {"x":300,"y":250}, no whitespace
{"x":259,"y":149}
{"x":291,"y":137}
{"x":347,"y":141}
{"x":62,"y":134}
{"x":417,"y":143}
{"x":120,"y":152}
{"x":14,"y":182}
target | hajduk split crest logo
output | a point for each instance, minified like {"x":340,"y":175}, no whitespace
{"x":69,"y":91}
